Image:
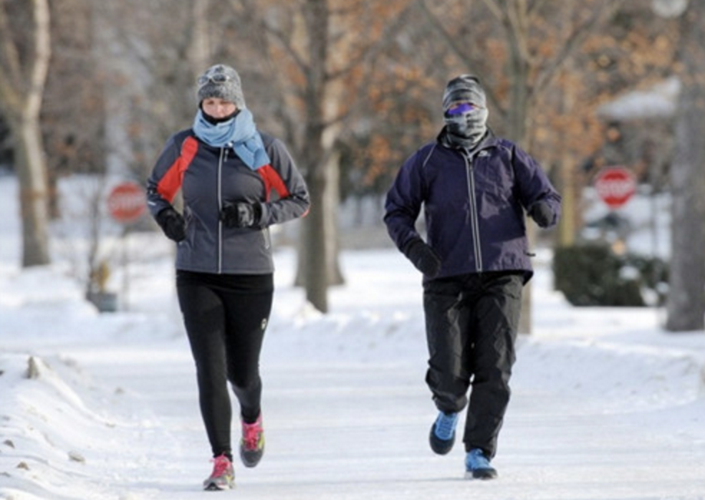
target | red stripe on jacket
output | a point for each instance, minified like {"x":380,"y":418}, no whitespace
{"x":170,"y":184}
{"x":272,"y":180}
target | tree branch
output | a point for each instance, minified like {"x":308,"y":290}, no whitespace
{"x":450,"y":41}
{"x":288,"y":48}
{"x":535,"y":8}
{"x":370,"y":50}
{"x":547,"y":74}
{"x":40,"y":57}
{"x":495,"y":10}
{"x":11,"y":74}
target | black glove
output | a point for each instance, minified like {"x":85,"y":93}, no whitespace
{"x":542,"y":213}
{"x":423,"y":257}
{"x":172,"y":223}
{"x":241,"y":214}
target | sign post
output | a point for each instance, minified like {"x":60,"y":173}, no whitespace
{"x":127,"y":203}
{"x":615,"y":186}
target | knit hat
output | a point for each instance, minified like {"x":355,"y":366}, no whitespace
{"x":464,"y":88}
{"x":223,"y":82}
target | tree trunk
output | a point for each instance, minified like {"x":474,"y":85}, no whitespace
{"x":686,"y":299}
{"x":567,"y":224}
{"x":32,"y":176}
{"x":312,"y":249}
{"x":567,"y":169}
{"x":200,"y":43}
{"x":321,"y":223}
{"x":518,"y":113}
{"x":318,"y":247}
{"x":331,"y":205}
{"x":21,"y":91}
{"x":318,"y":259}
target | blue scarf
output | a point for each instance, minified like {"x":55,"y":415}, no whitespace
{"x":239,"y":132}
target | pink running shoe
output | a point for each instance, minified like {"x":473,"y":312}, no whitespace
{"x":252,"y":442}
{"x":223,"y":476}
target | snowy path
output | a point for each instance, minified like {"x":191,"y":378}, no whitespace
{"x":605,"y":405}
{"x":358,"y":431}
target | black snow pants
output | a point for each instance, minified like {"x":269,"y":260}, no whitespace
{"x":471,"y":327}
{"x":225,"y":318}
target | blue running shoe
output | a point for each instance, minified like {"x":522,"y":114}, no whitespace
{"x":477,"y":465}
{"x":442,"y":434}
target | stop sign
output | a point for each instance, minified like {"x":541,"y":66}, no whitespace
{"x":127,"y":202}
{"x":615,"y":185}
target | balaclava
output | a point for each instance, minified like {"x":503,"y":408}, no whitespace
{"x":223,"y":82}
{"x":467,"y":124}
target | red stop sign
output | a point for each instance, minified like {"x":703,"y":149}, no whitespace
{"x":127,"y":202}
{"x":615,"y":186}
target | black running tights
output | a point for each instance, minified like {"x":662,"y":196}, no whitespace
{"x":225,"y":318}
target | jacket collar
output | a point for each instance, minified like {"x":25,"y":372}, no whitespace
{"x":487,"y":141}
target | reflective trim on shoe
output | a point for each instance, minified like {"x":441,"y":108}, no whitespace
{"x":442,"y":436}
{"x":477,"y":465}
{"x":223,"y":475}
{"x":252,"y":443}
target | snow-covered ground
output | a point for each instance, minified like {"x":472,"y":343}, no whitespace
{"x":606,"y":405}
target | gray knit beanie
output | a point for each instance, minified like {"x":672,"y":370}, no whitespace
{"x":464,"y":88}
{"x":223,"y":82}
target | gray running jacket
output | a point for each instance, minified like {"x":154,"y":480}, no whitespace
{"x":208,"y":177}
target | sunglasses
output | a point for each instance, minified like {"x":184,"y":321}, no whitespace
{"x":214,"y":78}
{"x":460,"y":108}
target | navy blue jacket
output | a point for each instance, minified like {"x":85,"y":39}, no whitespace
{"x":474,"y":205}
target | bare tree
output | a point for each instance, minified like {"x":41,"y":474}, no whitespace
{"x":315,"y":54}
{"x":73,"y":115}
{"x":686,"y":298}
{"x":24,"y":57}
{"x":316,"y":244}
{"x":146,"y":70}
